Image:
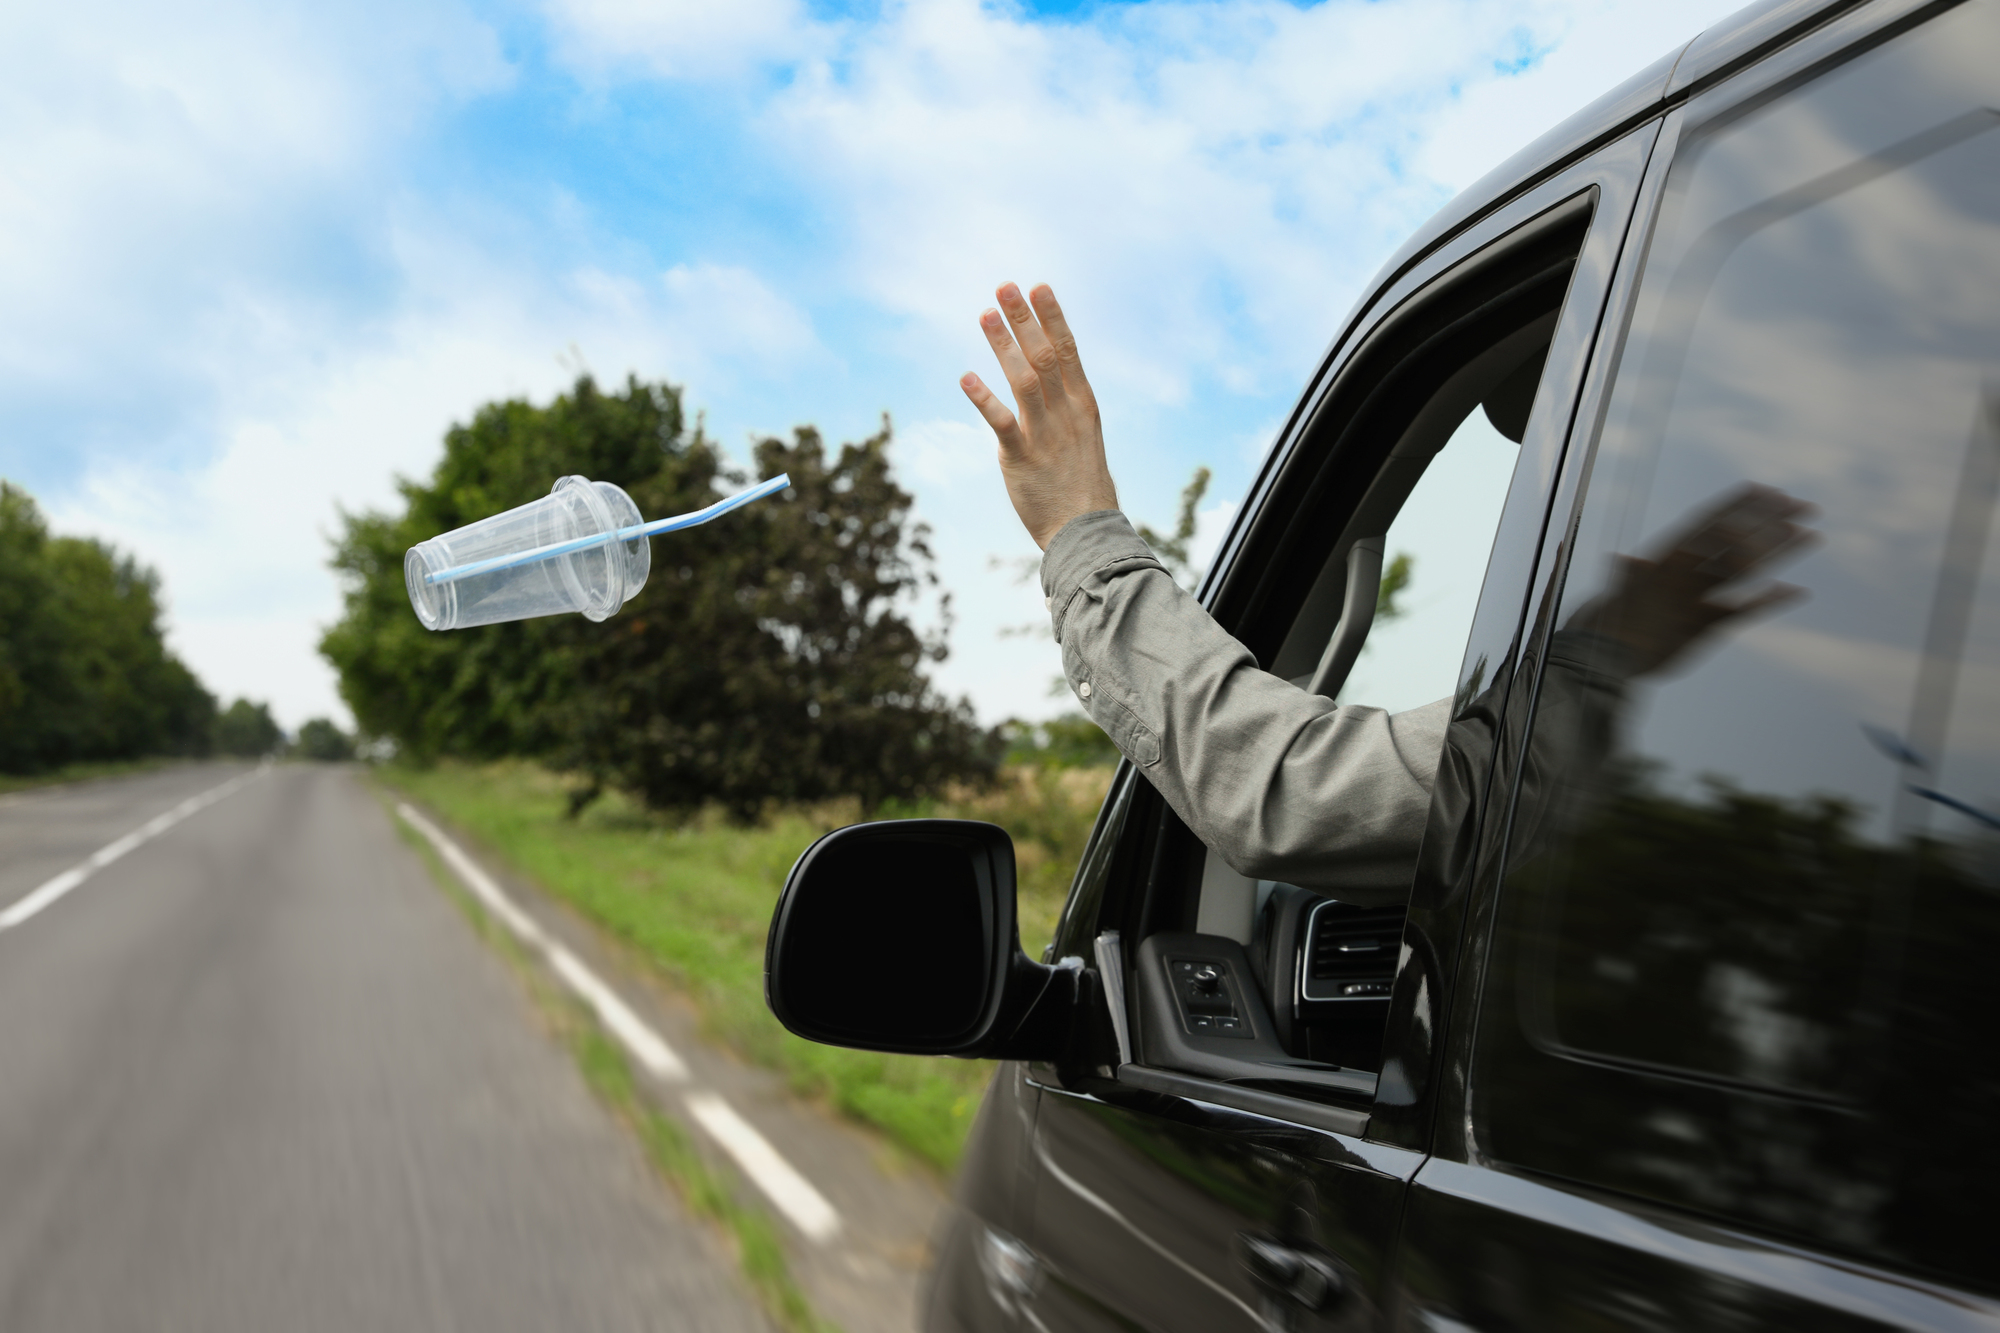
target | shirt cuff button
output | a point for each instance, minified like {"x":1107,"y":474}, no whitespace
{"x":1083,"y":689}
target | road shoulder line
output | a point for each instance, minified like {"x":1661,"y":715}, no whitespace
{"x":788,"y":1190}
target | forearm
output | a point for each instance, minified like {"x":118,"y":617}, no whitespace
{"x":1282,"y":784}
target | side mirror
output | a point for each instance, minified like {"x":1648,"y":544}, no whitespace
{"x":900,"y":936}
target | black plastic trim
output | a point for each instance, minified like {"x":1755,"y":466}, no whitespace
{"x":1315,"y":1115}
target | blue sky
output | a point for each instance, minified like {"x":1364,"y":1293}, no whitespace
{"x":260,"y":255}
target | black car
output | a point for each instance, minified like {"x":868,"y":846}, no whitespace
{"x":1688,"y":1021}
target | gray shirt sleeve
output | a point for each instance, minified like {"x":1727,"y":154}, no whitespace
{"x":1280,"y":783}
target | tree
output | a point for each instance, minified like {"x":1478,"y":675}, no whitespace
{"x":85,"y":674}
{"x":1173,"y":551}
{"x":1395,"y":579}
{"x":322,"y":740}
{"x":247,"y":730}
{"x":1068,"y":741}
{"x":771,"y":655}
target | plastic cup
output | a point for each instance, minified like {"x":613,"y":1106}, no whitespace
{"x":596,"y":580}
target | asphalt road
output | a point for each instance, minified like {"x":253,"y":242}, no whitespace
{"x":259,"y":1074}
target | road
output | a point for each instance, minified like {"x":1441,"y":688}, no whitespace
{"x":258,"y":1073}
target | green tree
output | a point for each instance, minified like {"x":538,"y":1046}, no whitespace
{"x":1069,"y":741}
{"x":322,"y":740}
{"x":247,"y":730}
{"x":85,"y":674}
{"x":771,"y":655}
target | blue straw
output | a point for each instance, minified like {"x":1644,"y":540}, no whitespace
{"x":554,"y":549}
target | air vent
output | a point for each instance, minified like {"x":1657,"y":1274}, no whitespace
{"x":1351,"y":952}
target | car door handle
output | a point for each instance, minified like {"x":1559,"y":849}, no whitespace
{"x":1305,"y":1279}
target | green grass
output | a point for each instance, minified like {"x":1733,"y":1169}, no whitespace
{"x":694,"y":900}
{"x":759,"y":1250}
{"x":56,"y":777}
{"x":758,"y":1247}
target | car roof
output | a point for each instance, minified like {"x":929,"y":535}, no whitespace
{"x":1744,"y":37}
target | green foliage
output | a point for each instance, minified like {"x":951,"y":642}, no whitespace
{"x":768,"y":658}
{"x":321,"y":740}
{"x":247,"y":730}
{"x":85,"y":675}
{"x":1069,"y":741}
{"x":1395,"y":578}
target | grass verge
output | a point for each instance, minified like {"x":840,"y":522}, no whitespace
{"x":694,"y":899}
{"x":759,"y":1250}
{"x":57,"y":777}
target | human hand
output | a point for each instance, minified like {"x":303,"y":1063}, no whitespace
{"x":1052,"y":454}
{"x":1660,"y":608}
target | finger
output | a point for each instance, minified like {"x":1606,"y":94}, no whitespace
{"x":1005,"y":428}
{"x":1021,"y":377}
{"x":1050,"y":313}
{"x":1752,"y":528}
{"x":1714,"y":528}
{"x":1770,"y":544}
{"x":1762,"y":602}
{"x":1034,"y":342}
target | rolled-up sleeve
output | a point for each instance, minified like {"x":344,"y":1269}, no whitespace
{"x":1280,"y":783}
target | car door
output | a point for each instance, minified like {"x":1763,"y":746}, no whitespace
{"x":1237,"y":1158}
{"x":1728,"y":1061}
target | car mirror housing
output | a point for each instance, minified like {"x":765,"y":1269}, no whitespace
{"x":900,"y":936}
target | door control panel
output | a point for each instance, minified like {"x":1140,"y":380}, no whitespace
{"x":1209,"y":997}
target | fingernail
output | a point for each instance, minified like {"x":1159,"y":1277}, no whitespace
{"x":967,"y":380}
{"x":991,"y":319}
{"x":1010,"y":293}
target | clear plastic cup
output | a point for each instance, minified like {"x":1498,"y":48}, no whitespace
{"x":595,"y":580}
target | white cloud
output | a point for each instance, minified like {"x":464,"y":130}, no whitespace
{"x":244,"y":538}
{"x":940,"y":454}
{"x":1599,"y":45}
{"x":1207,"y":184}
{"x":307,"y":429}
{"x":1211,"y":525}
{"x":157,"y":169}
{"x":688,"y":39}
{"x":231,"y":300}
{"x":728,"y":316}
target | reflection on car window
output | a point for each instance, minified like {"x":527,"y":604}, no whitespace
{"x":1745,"y":950}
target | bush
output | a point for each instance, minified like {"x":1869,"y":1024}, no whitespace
{"x":323,"y":741}
{"x":247,"y":731}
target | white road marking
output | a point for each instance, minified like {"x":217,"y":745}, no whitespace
{"x":653,"y":1054}
{"x":807,"y":1208}
{"x":791,"y":1193}
{"x":46,"y":895}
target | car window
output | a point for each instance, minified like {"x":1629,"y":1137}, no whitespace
{"x":1435,"y":558}
{"x":1743,"y":962}
{"x":1431,"y":490}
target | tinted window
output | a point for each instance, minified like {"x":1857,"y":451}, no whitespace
{"x":1745,"y":951}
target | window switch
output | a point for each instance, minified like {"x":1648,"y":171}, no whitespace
{"x":1205,"y":992}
